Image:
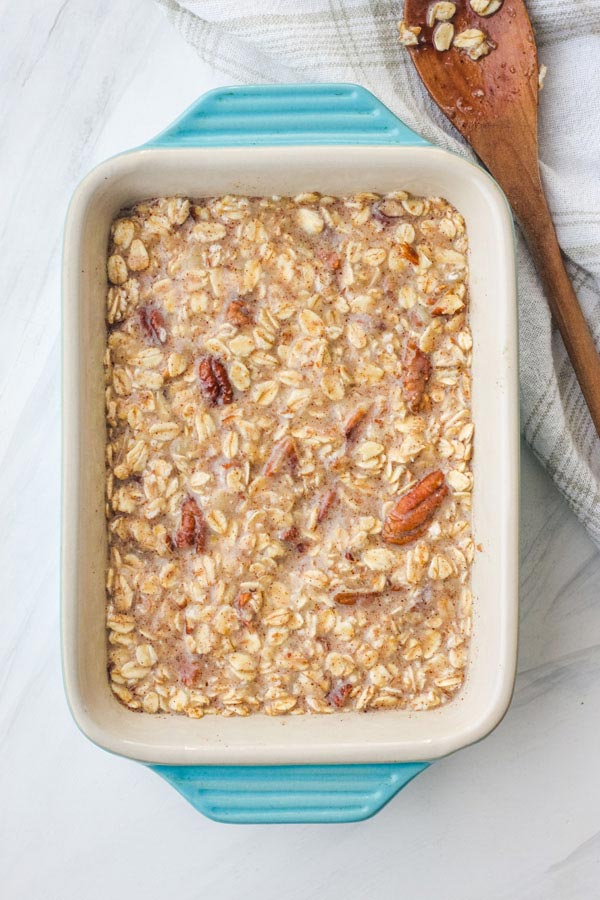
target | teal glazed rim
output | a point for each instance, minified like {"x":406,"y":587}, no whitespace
{"x":286,"y":115}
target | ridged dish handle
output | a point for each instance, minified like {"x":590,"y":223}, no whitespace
{"x":278,"y":115}
{"x":286,"y":114}
{"x":285,"y":794}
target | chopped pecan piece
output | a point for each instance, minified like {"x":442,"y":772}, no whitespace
{"x":416,"y":370}
{"x":244,"y":611}
{"x":291,"y":536}
{"x":192,"y":531}
{"x":238,"y":314}
{"x":152,"y":324}
{"x":187,"y":530}
{"x":338,"y":696}
{"x":413,"y":513}
{"x":243,"y":598}
{"x":354,"y":419}
{"x":330,"y":259}
{"x":200,"y":534}
{"x":215,"y":381}
{"x":189,"y":672}
{"x":349,"y":598}
{"x":327,"y":501}
{"x":282,"y":451}
{"x":409,"y":253}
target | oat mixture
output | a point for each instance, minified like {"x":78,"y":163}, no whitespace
{"x":288,"y":456}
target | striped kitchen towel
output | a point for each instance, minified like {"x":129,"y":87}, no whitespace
{"x":356,"y":40}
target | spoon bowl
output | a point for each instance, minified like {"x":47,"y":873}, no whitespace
{"x":481,"y":96}
{"x":493,"y":102}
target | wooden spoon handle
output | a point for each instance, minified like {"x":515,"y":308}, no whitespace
{"x":534,"y":215}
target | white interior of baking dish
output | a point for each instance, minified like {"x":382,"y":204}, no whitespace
{"x":384,"y":736}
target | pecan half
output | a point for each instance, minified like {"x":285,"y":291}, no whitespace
{"x":354,"y":420}
{"x":214,"y":381}
{"x":327,"y":501}
{"x":282,"y":451}
{"x":152,"y":324}
{"x":416,"y":370}
{"x":237,"y":314}
{"x":413,"y":513}
{"x":338,"y":696}
{"x":225,"y":389}
{"x":192,"y":531}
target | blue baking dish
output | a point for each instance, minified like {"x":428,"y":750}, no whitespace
{"x":236,"y":780}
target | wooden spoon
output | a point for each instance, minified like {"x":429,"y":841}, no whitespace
{"x":493,"y":102}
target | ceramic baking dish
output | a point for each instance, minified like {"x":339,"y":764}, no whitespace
{"x":283,"y":140}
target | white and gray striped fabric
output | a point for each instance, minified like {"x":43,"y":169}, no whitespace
{"x":356,"y":40}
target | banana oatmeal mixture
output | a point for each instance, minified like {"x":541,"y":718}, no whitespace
{"x":288,"y":454}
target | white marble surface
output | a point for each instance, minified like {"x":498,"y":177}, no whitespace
{"x":517,"y":816}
